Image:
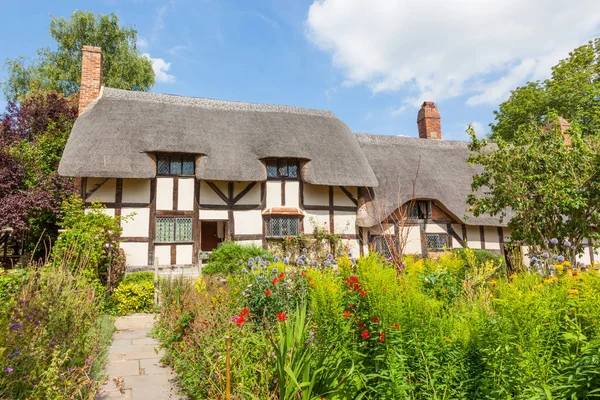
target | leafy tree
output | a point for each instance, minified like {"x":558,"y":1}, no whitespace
{"x":546,"y":188}
{"x":573,"y":92}
{"x":33,"y":134}
{"x":60,"y":69}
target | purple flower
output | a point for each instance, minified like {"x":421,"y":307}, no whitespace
{"x":554,"y":241}
{"x":567,"y":244}
{"x":304,"y":251}
{"x":545,"y":255}
{"x":8,"y":370}
{"x":285,"y":260}
{"x":274,"y":270}
{"x":244,"y":271}
{"x":300,"y":262}
{"x":315,"y":263}
{"x":560,"y":259}
{"x":16,"y":326}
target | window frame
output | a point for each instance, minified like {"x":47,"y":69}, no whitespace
{"x":416,"y":206}
{"x":278,"y":163}
{"x":169,"y":158}
{"x":269,"y":218}
{"x":175,"y":220}
{"x":448,"y":240}
{"x":377,"y":242}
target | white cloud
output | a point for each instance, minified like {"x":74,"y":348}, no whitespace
{"x":480,"y":130}
{"x":479,"y":48}
{"x":176,"y":49}
{"x":161,"y":69}
{"x":142,"y":43}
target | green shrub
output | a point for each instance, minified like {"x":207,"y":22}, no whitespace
{"x":135,"y":294}
{"x":231,"y":257}
{"x":481,"y":256}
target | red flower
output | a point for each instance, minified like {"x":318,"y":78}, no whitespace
{"x":303,"y":273}
{"x":267,"y":292}
{"x":356,"y":286}
{"x":274,"y":281}
{"x":397,"y":325}
{"x":363,"y":293}
{"x":365,"y":335}
{"x":375,"y":319}
{"x":281,"y":316}
{"x":381,"y":337}
{"x":351,"y":306}
{"x":354,"y":279}
{"x":240,"y":321}
{"x":349,"y":281}
{"x":361,"y":325}
{"x":281,"y":275}
{"x":346,"y":314}
{"x":244,"y":312}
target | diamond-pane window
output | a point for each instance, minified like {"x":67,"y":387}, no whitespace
{"x":175,"y":165}
{"x":188,"y":167}
{"x":384,"y":245}
{"x":282,"y":169}
{"x":272,"y":170}
{"x":437,"y":241}
{"x":165,"y":229}
{"x":293,"y":170}
{"x":183,"y":230}
{"x":163,"y":166}
{"x":282,"y":225}
{"x":174,"y":230}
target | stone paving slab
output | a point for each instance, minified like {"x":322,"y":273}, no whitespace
{"x":134,"y":369}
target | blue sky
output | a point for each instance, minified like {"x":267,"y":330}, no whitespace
{"x":370,"y":62}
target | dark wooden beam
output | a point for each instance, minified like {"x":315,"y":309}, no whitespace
{"x":501,"y":239}
{"x":482,"y":236}
{"x":453,"y":233}
{"x":196,"y":223}
{"x":173,"y":254}
{"x":127,"y":239}
{"x":123,"y":205}
{"x":119,"y":197}
{"x":175,"y":193}
{"x":301,"y":194}
{"x":361,"y":241}
{"x":331,"y":219}
{"x":230,"y":216}
{"x":464,"y":233}
{"x":152,"y":222}
{"x":349,"y":195}
{"x":328,"y":208}
{"x":248,"y":236}
{"x":244,"y":192}
{"x":174,"y":213}
{"x":283,"y":192}
{"x":218,"y":191}
{"x":97,"y":186}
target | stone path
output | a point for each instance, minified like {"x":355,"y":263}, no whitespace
{"x":134,"y":369}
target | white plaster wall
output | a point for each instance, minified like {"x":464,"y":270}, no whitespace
{"x":506,"y":232}
{"x":164,"y":193}
{"x":213,"y":214}
{"x":208,"y":196}
{"x":273,"y":194}
{"x":292,"y":194}
{"x":106,"y":193}
{"x":384,"y":229}
{"x":413,"y":241}
{"x":185,"y":194}
{"x":316,"y":195}
{"x":315,"y":218}
{"x":252,"y":197}
{"x":491,"y":238}
{"x":136,"y":254}
{"x":136,"y":191}
{"x":473,"y":237}
{"x":585,"y":257}
{"x":183,"y":254}
{"x":250,"y":242}
{"x":344,"y":222}
{"x":458,"y":229}
{"x":107,"y":211}
{"x":163,"y":253}
{"x":340,"y":198}
{"x":435,"y":228}
{"x":248,"y":222}
{"x":352,"y":246}
{"x":137,"y":225}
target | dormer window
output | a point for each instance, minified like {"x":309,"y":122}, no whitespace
{"x":418,"y":209}
{"x":282,"y":169}
{"x":173,"y":164}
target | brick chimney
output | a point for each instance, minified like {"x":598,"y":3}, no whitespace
{"x":91,"y":76}
{"x":429,"y":121}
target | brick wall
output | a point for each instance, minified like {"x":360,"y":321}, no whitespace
{"x":91,"y":76}
{"x":429,"y":121}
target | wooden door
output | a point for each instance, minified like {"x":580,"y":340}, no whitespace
{"x":208,"y":239}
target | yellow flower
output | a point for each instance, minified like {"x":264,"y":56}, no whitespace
{"x":492,"y":281}
{"x":513,"y":276}
{"x":559,"y":267}
{"x":550,"y":279}
{"x":573,"y":292}
{"x":567,"y":263}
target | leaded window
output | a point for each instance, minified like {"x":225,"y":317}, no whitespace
{"x":282,"y":225}
{"x":282,"y":169}
{"x":175,"y":165}
{"x":418,"y":209}
{"x":173,"y":229}
{"x":384,"y":245}
{"x":438,"y":241}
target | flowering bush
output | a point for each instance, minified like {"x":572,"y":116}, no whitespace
{"x":341,"y":328}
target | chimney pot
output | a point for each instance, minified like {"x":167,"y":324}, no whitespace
{"x":91,"y":76}
{"x":429,"y":121}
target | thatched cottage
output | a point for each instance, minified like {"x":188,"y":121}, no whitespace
{"x":195,"y":172}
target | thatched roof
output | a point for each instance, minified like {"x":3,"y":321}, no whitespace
{"x":115,"y":135}
{"x":443,"y":175}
